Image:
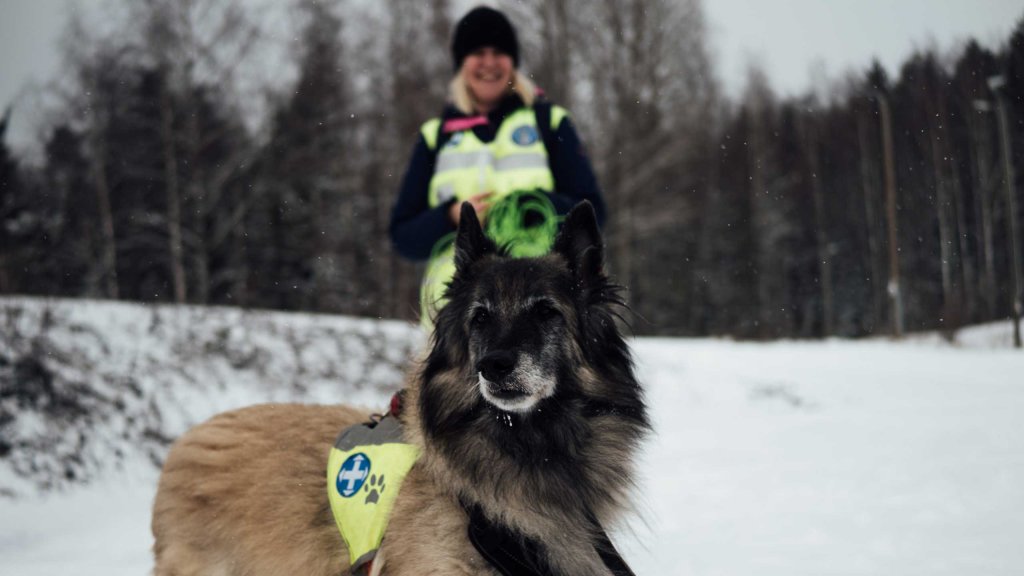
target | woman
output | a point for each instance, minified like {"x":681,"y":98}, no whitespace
{"x":498,"y":145}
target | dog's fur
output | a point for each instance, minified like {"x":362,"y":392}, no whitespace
{"x":526,"y":407}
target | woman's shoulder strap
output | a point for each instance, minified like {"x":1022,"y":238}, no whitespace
{"x":549,"y":116}
{"x":430,"y":132}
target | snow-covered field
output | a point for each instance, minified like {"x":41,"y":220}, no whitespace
{"x":791,"y":458}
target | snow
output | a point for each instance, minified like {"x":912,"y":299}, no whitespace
{"x":787,"y":458}
{"x":97,"y":384}
{"x":833,"y":458}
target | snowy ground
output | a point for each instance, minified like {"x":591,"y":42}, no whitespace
{"x":834,"y":458}
{"x":868,"y":458}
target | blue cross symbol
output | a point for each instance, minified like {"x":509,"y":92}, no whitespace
{"x":352,"y":474}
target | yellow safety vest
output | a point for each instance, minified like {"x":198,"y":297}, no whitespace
{"x":515,"y":160}
{"x":365,"y":470}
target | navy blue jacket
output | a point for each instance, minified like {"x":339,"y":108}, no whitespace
{"x":415,"y":226}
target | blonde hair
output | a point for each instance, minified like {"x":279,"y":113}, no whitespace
{"x":462,"y":99}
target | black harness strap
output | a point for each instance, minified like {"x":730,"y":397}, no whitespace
{"x":513,"y":554}
{"x":611,"y":557}
{"x":505,"y":551}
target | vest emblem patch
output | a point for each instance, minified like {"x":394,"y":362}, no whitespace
{"x":524,"y":135}
{"x":353,"y":473}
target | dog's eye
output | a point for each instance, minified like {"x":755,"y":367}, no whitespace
{"x":481,"y":317}
{"x":544,"y":311}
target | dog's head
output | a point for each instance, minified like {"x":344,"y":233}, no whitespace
{"x":519,"y":316}
{"x":527,"y":358}
{"x":515,"y":326}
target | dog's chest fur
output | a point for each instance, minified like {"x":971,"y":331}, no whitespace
{"x":427,"y":529}
{"x":552,"y":498}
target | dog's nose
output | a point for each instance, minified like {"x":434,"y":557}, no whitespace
{"x":496,"y":365}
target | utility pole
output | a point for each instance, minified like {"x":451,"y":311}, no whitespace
{"x":896,"y":306}
{"x":996,"y":83}
{"x":980,"y":153}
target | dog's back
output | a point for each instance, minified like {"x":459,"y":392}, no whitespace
{"x":244,"y":493}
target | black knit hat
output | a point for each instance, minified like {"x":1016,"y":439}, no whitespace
{"x":484,"y":26}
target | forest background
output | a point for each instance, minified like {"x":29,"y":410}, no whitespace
{"x":170,"y":173}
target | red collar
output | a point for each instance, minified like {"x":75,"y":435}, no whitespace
{"x":397,"y":403}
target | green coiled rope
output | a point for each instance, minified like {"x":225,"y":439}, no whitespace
{"x":524,"y":223}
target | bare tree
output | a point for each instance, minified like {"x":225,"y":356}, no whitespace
{"x":93,"y":61}
{"x":767,"y":183}
{"x":547,"y":31}
{"x":642,"y":97}
{"x":974,"y":68}
{"x":416,"y":68}
{"x":195,"y":46}
{"x":870,"y":185}
{"x":821,"y":234}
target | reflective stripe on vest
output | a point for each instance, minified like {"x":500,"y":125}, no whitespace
{"x":461,"y":160}
{"x":515,"y":160}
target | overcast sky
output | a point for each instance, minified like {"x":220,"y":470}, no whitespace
{"x":789,"y":37}
{"x":786,"y":37}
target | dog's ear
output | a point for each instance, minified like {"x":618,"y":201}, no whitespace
{"x":579,"y":242}
{"x":470,"y":241}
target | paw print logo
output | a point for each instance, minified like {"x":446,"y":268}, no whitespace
{"x":373,"y":488}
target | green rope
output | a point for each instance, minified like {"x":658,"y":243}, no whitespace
{"x":524,"y":223}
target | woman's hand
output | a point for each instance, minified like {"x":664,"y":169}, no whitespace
{"x":480,"y":205}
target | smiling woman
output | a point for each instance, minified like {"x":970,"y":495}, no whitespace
{"x":498,"y":145}
{"x":486,"y":74}
{"x":486,"y":56}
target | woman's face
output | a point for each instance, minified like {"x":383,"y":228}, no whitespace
{"x":488,"y":75}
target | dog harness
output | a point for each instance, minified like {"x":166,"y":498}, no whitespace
{"x":513,"y":554}
{"x":365,"y":470}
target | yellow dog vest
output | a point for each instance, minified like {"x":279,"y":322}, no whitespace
{"x":365,"y":470}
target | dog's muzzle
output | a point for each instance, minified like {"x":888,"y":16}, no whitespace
{"x":511,"y":383}
{"x":495,"y":370}
{"x":496,"y":366}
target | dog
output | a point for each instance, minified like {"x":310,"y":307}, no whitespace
{"x":526,"y":411}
